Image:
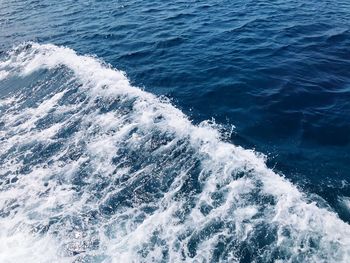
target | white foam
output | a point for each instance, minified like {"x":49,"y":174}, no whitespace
{"x":345,"y":202}
{"x":3,"y":74}
{"x":22,"y":247}
{"x":98,"y":140}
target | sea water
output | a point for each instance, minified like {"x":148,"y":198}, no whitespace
{"x":174,"y":131}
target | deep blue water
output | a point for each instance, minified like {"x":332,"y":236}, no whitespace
{"x":279,"y":71}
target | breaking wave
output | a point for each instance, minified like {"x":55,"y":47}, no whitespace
{"x":95,"y":170}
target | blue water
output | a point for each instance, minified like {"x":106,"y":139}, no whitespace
{"x":274,"y":77}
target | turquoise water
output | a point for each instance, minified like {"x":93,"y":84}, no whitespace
{"x":140,"y":141}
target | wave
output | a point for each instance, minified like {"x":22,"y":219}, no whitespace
{"x":93,"y":169}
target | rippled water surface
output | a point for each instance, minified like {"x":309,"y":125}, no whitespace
{"x":128,"y":131}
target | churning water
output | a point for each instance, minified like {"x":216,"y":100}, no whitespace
{"x":95,"y":169}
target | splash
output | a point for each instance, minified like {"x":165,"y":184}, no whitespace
{"x":95,"y":170}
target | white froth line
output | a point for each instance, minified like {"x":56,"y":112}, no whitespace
{"x":7,"y":101}
{"x":101,"y":79}
{"x":3,"y":74}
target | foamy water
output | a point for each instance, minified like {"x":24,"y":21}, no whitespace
{"x":96,"y":170}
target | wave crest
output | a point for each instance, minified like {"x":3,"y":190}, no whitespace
{"x":109,"y":173}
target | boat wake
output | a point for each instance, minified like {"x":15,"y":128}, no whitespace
{"x":95,"y":170}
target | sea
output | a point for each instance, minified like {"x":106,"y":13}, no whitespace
{"x":174,"y":131}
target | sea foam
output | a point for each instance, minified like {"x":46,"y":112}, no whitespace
{"x":93,"y":169}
